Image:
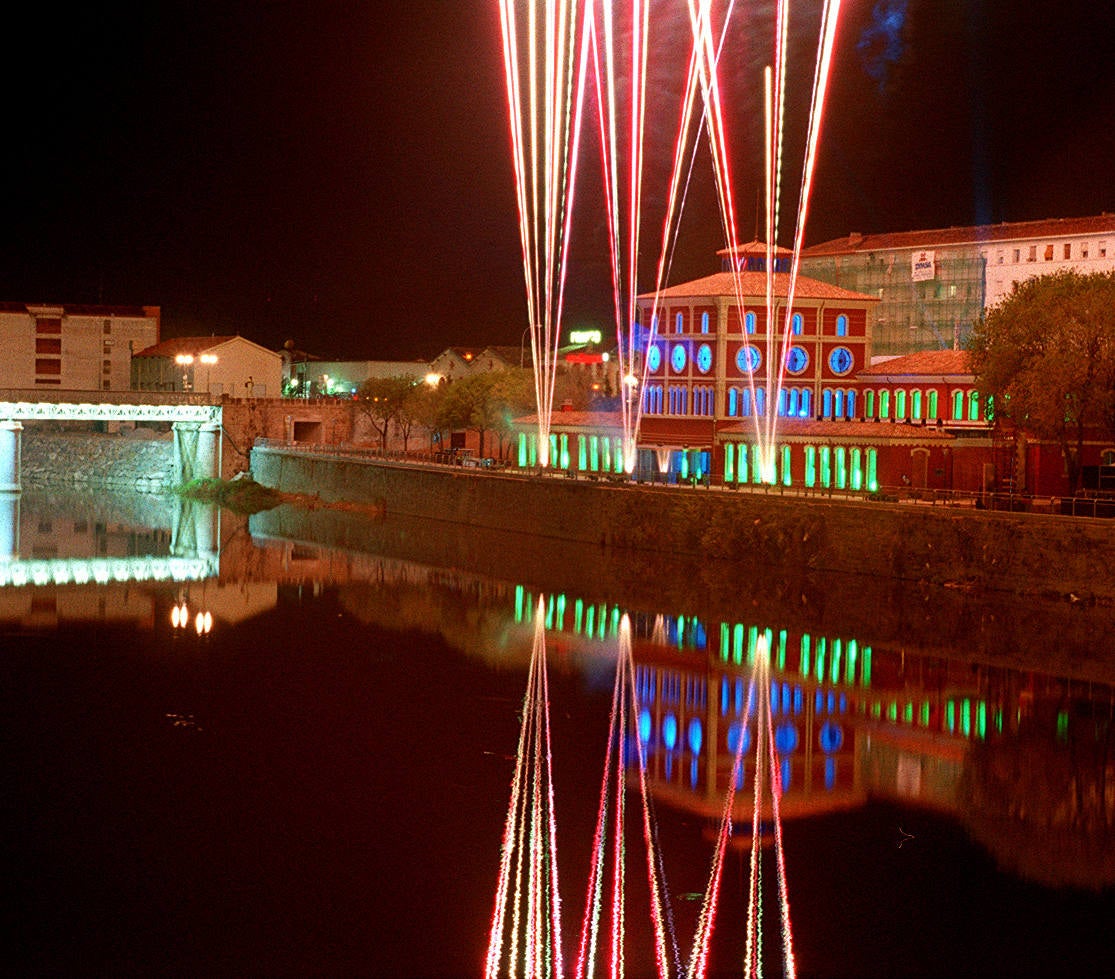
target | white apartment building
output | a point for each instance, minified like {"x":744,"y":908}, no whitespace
{"x":933,"y":285}
{"x":73,"y":347}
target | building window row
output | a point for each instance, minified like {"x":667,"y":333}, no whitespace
{"x":917,"y":405}
{"x":822,"y":467}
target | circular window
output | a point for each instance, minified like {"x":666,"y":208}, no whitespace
{"x":840,"y":360}
{"x":654,"y":358}
{"x":748,"y":359}
{"x":797,"y":359}
{"x":678,"y":358}
{"x":704,"y":358}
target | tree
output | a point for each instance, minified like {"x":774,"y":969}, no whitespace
{"x":383,"y":400}
{"x":1044,"y":359}
{"x":487,"y":402}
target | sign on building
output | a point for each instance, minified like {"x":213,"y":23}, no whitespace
{"x":923,"y":267}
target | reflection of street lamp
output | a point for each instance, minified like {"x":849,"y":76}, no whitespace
{"x":186,"y":362}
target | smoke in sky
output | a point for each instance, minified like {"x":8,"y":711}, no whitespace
{"x":880,"y":45}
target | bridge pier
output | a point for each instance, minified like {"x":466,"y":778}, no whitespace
{"x":9,"y":525}
{"x":10,"y":435}
{"x":197,"y":450}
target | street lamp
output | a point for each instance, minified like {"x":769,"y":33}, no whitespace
{"x":186,"y":362}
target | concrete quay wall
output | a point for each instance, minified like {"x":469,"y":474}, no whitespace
{"x":957,"y":548}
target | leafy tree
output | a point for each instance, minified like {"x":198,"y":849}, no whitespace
{"x":487,"y":402}
{"x":1045,"y":360}
{"x":383,"y":400}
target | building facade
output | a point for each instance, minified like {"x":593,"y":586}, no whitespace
{"x":220,"y":367}
{"x":73,"y":347}
{"x":932,"y":286}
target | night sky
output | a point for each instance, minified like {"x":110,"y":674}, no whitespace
{"x":339,"y":173}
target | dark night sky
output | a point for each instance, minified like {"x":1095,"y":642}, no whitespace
{"x":339,"y":174}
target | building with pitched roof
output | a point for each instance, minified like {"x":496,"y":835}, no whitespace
{"x":932,"y":286}
{"x":219,"y":366}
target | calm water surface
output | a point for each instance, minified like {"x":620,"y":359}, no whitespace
{"x":317,"y":783}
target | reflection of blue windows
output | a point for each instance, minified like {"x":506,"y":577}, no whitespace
{"x":678,"y":358}
{"x":786,"y":738}
{"x":797,"y":324}
{"x":654,"y":358}
{"x":840,"y":360}
{"x":749,"y":322}
{"x":797,"y":359}
{"x":670,"y":732}
{"x":842,"y":325}
{"x":748,"y":359}
{"x":696,"y":735}
{"x":704,"y":358}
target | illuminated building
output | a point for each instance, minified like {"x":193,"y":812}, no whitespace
{"x":73,"y":347}
{"x":219,"y":366}
{"x":933,"y":285}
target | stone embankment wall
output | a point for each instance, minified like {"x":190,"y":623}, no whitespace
{"x":757,"y":532}
{"x":52,"y":459}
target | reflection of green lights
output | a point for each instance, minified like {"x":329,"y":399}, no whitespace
{"x":950,"y":716}
{"x":892,"y":711}
{"x":578,"y":616}
{"x":837,"y":648}
{"x":782,"y":649}
{"x":1062,"y":725}
{"x":981,"y":720}
{"x":805,"y":654}
{"x":966,"y":717}
{"x":518,"y":603}
{"x":737,"y":644}
{"x":820,"y":668}
{"x":850,"y":661}
{"x":866,"y":666}
{"x":724,"y":641}
{"x":908,"y":712}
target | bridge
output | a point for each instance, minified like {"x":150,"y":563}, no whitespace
{"x":195,"y":420}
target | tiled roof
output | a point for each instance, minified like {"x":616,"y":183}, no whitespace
{"x":755,"y":247}
{"x":975,"y":235}
{"x":936,"y":363}
{"x":754,"y":287}
{"x":183,"y":345}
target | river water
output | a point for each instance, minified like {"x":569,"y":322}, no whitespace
{"x":313,"y":778}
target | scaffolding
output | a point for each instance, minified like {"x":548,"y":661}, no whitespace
{"x":937,"y":313}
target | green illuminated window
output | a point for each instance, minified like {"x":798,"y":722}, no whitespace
{"x":582,"y":453}
{"x":826,"y":466}
{"x":957,"y":405}
{"x":884,"y":404}
{"x":810,"y":465}
{"x":872,"y":470}
{"x":915,"y":405}
{"x":869,"y":404}
{"x":931,"y":409}
{"x":729,"y":463}
{"x":523,"y":450}
{"x":841,"y":467}
{"x":785,"y":465}
{"x":856,"y":466}
{"x":900,"y":404}
{"x":973,"y":406}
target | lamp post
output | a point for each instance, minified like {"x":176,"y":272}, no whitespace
{"x":186,"y":362}
{"x":208,"y":360}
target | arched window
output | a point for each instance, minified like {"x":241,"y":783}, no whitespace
{"x":931,"y":404}
{"x":856,"y":467}
{"x":973,"y":406}
{"x":869,"y":403}
{"x":826,"y":466}
{"x":838,"y":403}
{"x":810,"y":465}
{"x":826,"y":403}
{"x":872,"y":474}
{"x":915,"y":405}
{"x":806,"y":403}
{"x":793,"y":403}
{"x":704,"y":322}
{"x":841,"y":325}
{"x":900,"y":404}
{"x":733,"y":402}
{"x":745,"y":408}
{"x":786,"y":473}
{"x":957,"y":405}
{"x":884,"y":404}
{"x":782,"y":403}
{"x":850,"y":403}
{"x":749,"y":322}
{"x":797,"y":324}
{"x":679,"y":323}
{"x":841,"y":461}
{"x":761,"y":402}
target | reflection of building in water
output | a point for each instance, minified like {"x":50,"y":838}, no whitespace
{"x":1022,"y":758}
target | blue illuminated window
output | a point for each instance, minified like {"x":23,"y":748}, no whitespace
{"x":842,"y":325}
{"x":749,"y":322}
{"x":704,"y":358}
{"x":797,"y":324}
{"x":704,"y":322}
{"x":654,"y":358}
{"x":748,"y":358}
{"x":840,"y":360}
{"x":678,"y":357}
{"x":679,"y":323}
{"x":797,"y":359}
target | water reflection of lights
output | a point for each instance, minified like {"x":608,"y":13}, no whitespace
{"x":180,"y":618}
